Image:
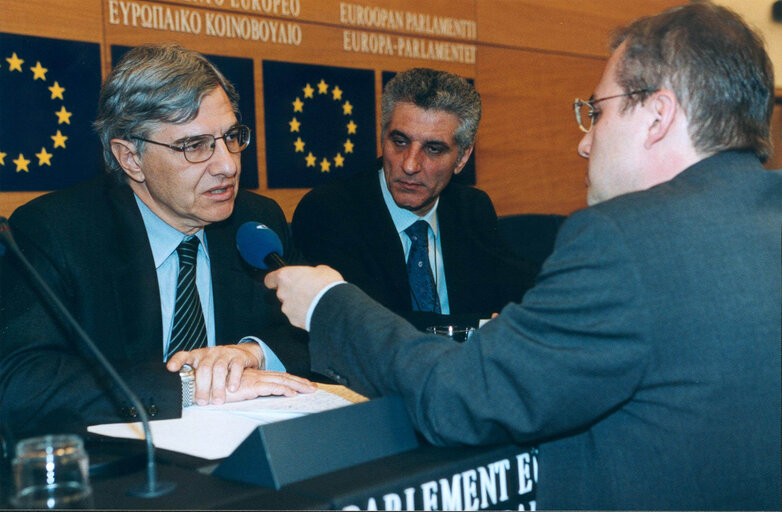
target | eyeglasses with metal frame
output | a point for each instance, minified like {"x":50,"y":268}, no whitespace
{"x":587,"y":118}
{"x":200,"y":148}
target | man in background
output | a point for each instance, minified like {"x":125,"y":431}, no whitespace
{"x":144,"y":257}
{"x":645,"y":362}
{"x":421,"y":245}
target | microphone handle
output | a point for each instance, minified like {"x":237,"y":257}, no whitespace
{"x":274,"y":261}
{"x":153,"y":488}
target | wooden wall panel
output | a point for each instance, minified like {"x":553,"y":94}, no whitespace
{"x":532,"y":57}
{"x":528,"y":136}
{"x":567,"y":26}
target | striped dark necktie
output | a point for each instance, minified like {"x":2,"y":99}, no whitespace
{"x":189,"y":329}
{"x":423,"y":292}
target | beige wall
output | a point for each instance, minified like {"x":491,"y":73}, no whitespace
{"x":758,"y":14}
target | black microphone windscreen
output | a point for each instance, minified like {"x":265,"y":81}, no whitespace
{"x":255,"y":242}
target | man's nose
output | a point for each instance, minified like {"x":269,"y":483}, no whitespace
{"x":223,"y":161}
{"x":585,"y":146}
{"x":412,"y":160}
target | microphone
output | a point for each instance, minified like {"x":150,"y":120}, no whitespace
{"x":259,"y":246}
{"x":152,"y":488}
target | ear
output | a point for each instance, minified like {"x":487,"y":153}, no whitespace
{"x":663,"y":106}
{"x":463,"y":160}
{"x":126,"y":154}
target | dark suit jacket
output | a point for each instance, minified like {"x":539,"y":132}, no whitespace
{"x":345,"y":224}
{"x":89,"y":244}
{"x":645,"y":361}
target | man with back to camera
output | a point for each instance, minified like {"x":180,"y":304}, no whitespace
{"x":646,"y":360}
{"x":405,"y":234}
{"x":144,"y":257}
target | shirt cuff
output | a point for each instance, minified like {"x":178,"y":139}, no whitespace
{"x":271,"y":362}
{"x":315,"y":303}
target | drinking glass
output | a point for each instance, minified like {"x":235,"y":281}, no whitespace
{"x":455,"y":332}
{"x":51,"y":472}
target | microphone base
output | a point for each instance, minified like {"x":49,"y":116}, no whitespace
{"x":157,"y":490}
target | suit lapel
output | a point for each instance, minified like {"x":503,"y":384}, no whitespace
{"x":134,"y":278}
{"x":455,"y":255}
{"x":380,"y":233}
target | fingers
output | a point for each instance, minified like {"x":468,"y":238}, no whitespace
{"x":257,"y":383}
{"x":178,"y":360}
{"x":272,"y":279}
{"x":217,"y":368}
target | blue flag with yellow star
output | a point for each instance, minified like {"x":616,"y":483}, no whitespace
{"x":48,"y":99}
{"x":320,"y":123}
{"x":238,"y":71}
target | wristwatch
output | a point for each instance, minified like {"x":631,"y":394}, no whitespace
{"x":187,"y":374}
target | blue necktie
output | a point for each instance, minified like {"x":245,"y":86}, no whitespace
{"x":422,"y":289}
{"x":189,"y":329}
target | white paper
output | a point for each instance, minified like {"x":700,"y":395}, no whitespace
{"x":215,"y":431}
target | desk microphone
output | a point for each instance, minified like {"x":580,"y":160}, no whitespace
{"x":152,"y":488}
{"x":259,"y":246}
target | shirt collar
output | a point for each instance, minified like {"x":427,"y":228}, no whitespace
{"x":403,"y":218}
{"x":163,"y":239}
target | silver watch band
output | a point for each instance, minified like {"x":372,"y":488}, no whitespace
{"x":187,"y":374}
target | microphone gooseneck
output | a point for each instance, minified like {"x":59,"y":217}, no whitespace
{"x":152,"y":488}
{"x":259,"y":246}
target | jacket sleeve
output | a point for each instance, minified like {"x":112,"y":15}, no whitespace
{"x":572,"y":351}
{"x":49,"y":381}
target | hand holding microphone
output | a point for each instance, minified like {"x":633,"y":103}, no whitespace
{"x":296,"y":287}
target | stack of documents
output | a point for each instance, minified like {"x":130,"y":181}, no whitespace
{"x":215,"y":431}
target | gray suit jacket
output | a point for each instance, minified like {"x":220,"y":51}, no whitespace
{"x":645,"y":361}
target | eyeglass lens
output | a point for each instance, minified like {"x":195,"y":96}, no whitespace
{"x":583,"y":115}
{"x":201,"y":148}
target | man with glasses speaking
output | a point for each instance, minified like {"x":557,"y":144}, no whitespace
{"x":145,"y":259}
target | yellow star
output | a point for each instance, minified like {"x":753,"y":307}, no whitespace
{"x":63,"y":116}
{"x":348,"y":146}
{"x":59,"y":139}
{"x":15,"y":62}
{"x":310,"y":160}
{"x":299,"y":144}
{"x":44,"y":158}
{"x":347,"y":108}
{"x":57,"y":91}
{"x":352,"y":127}
{"x":325,"y":165}
{"x":298,"y":105}
{"x":337,"y":92}
{"x":2,"y":158}
{"x":339,"y":160}
{"x":308,"y":91}
{"x":323,"y":87}
{"x":21,"y":163}
{"x":294,"y":123}
{"x":39,"y":71}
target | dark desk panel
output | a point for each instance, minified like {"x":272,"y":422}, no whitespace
{"x":427,"y":478}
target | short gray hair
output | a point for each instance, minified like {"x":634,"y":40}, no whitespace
{"x":715,"y":64}
{"x":151,"y":84}
{"x":430,"y":89}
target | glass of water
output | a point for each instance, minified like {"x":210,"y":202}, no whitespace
{"x":455,"y":332}
{"x":51,"y":472}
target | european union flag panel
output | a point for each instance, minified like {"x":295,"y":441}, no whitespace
{"x":467,"y":176}
{"x":320,"y":123}
{"x":48,"y":99}
{"x":238,"y":71}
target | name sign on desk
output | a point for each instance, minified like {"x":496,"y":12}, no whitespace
{"x":288,"y":451}
{"x":504,"y":477}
